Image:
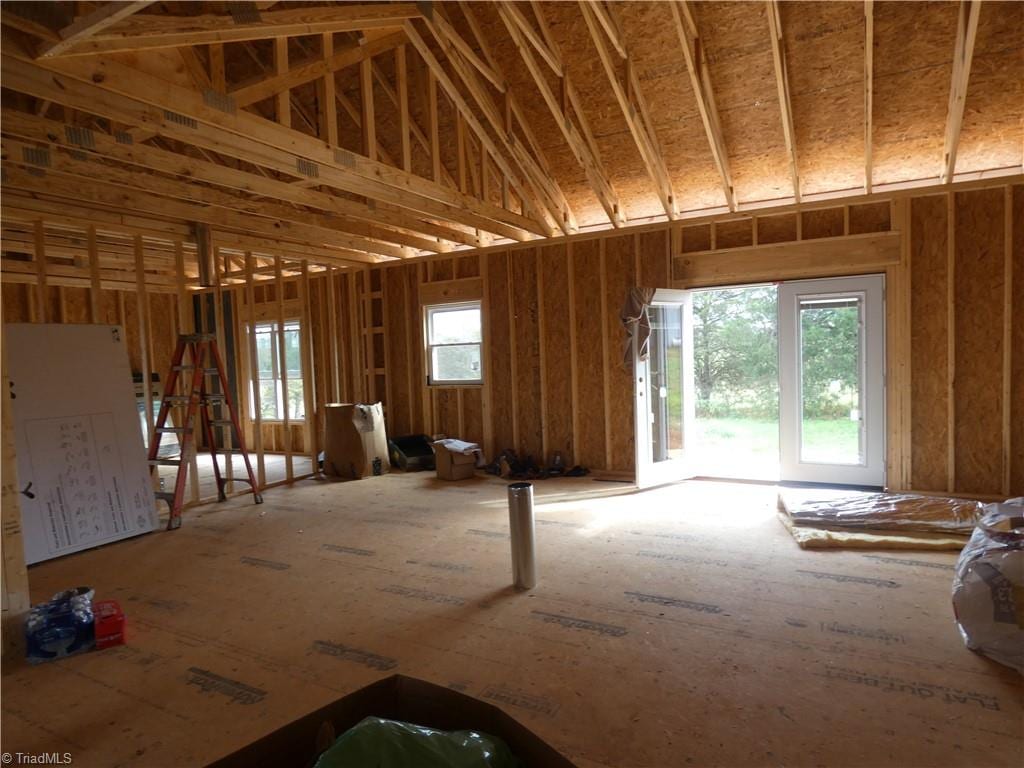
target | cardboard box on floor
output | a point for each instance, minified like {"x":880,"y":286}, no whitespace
{"x":354,"y":438}
{"x":407,"y":699}
{"x":453,"y":466}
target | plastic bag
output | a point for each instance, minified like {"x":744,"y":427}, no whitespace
{"x":392,"y":744}
{"x":890,"y":511}
{"x":988,"y":589}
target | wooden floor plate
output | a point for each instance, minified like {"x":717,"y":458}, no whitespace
{"x":679,"y":626}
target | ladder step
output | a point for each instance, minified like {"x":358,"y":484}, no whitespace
{"x":164,"y":496}
{"x":222,"y":423}
{"x":175,"y":430}
{"x":207,"y":371}
{"x":178,"y":399}
{"x":211,"y":398}
{"x":165,"y":462}
{"x":237,"y":480}
{"x":194,"y":337}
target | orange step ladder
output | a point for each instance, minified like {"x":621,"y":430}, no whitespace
{"x":204,"y":363}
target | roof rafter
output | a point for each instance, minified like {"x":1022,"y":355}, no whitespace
{"x":869,"y":89}
{"x":91,"y":24}
{"x":782,"y":86}
{"x":443,"y":26}
{"x":147,"y":31}
{"x":463,"y":107}
{"x":630,"y":101}
{"x":963,"y":53}
{"x":581,"y":144}
{"x":539,"y":43}
{"x":544,"y":185}
{"x":700,"y":82}
{"x":265,"y":85}
{"x":610,"y":27}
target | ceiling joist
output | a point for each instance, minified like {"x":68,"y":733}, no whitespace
{"x":135,"y":98}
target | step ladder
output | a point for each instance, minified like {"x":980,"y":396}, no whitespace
{"x":204,"y":363}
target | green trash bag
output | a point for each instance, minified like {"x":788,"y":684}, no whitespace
{"x":377,"y":743}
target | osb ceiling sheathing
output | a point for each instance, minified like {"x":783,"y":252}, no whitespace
{"x":826,"y":50}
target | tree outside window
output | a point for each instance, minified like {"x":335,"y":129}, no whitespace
{"x":269,"y":338}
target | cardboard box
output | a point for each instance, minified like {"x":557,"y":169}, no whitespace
{"x":298,"y":744}
{"x":453,"y":466}
{"x":355,"y":440}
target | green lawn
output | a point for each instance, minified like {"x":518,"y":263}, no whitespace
{"x":749,"y":448}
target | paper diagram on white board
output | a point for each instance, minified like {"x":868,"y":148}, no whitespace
{"x":82,"y":467}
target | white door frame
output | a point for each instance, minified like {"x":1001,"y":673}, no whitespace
{"x":871,"y":470}
{"x":650,"y":473}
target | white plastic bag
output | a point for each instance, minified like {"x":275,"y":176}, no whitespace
{"x":988,"y":589}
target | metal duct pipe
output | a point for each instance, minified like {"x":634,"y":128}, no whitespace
{"x":520,"y":523}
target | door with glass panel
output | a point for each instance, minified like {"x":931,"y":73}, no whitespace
{"x":664,"y":392}
{"x":831,"y":380}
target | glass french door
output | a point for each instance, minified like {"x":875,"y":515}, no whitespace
{"x":831,"y":381}
{"x":664,"y":390}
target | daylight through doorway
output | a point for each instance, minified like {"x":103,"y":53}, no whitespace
{"x":736,"y":381}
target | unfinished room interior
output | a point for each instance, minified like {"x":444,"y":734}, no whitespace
{"x":595,"y":384}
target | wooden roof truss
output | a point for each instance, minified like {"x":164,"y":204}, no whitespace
{"x":364,"y":132}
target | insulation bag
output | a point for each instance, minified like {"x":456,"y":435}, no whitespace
{"x":988,"y":589}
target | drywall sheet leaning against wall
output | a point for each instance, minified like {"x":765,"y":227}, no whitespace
{"x":81,"y":462}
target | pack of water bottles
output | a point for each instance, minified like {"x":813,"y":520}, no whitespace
{"x":72,"y":622}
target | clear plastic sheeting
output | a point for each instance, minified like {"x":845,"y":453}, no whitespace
{"x":827,"y":519}
{"x":988,"y":589}
{"x":392,"y":744}
{"x":890,"y":511}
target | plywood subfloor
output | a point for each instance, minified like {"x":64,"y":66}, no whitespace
{"x":681,"y":626}
{"x":274,"y":466}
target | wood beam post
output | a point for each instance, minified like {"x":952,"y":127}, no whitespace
{"x":282,"y":100}
{"x":328,"y":109}
{"x":402,"y":76}
{"x":368,"y":114}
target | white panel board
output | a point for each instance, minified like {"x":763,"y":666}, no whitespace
{"x":81,"y":463}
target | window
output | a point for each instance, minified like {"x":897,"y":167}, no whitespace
{"x":269,"y":338}
{"x":453,"y":343}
